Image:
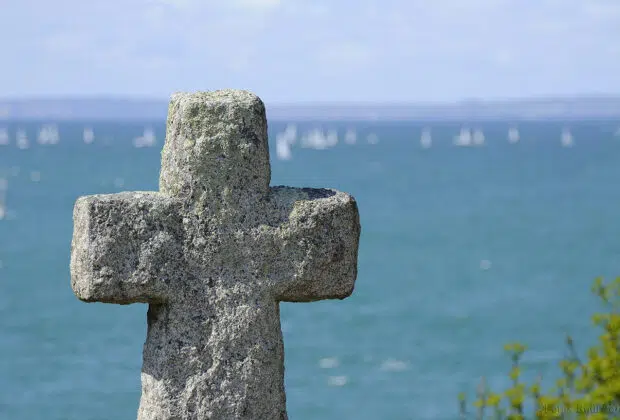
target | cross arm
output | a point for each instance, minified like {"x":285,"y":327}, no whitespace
{"x":126,"y":247}
{"x":317,"y":246}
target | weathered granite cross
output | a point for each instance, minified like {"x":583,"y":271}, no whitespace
{"x":213,"y":253}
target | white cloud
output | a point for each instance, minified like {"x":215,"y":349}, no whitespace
{"x":614,"y":49}
{"x":65,"y":43}
{"x":110,"y":57}
{"x":347,"y":53}
{"x":177,"y":4}
{"x":156,"y":14}
{"x":504,"y":58}
{"x":258,"y":4}
{"x":306,"y":9}
{"x":394,"y":46}
{"x":601,"y":10}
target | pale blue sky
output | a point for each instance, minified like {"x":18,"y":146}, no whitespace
{"x":311,"y":50}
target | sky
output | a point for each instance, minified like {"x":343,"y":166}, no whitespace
{"x":290,"y":51}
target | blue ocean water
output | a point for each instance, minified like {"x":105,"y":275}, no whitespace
{"x":462,"y":250}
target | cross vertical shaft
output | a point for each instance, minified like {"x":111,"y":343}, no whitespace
{"x":213,"y":253}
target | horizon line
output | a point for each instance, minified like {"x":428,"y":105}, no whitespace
{"x":464,"y":101}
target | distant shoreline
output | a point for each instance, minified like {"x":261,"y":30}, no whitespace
{"x":104,"y":109}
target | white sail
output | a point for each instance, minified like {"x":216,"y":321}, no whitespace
{"x":48,"y":134}
{"x":478,"y":138}
{"x":350,"y":136}
{"x":88,"y":136}
{"x":4,"y":137}
{"x":513,"y":135}
{"x":42,"y":136}
{"x":147,"y":139}
{"x":464,"y":138}
{"x":283,"y":148}
{"x":317,"y":139}
{"x":21,"y":139}
{"x":54,"y":135}
{"x":331,"y":138}
{"x":4,"y":186}
{"x":284,"y":141}
{"x":567,"y":138}
{"x":290,"y":133}
{"x":426,"y":141}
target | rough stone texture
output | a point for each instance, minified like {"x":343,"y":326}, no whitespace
{"x":213,"y":253}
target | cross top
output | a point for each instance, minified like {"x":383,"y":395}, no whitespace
{"x":213,"y":253}
{"x":216,"y":145}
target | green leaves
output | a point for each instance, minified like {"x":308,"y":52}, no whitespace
{"x":586,"y":390}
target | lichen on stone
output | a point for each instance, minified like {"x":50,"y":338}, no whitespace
{"x":213,"y":253}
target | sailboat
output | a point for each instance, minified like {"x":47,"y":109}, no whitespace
{"x":22,"y":139}
{"x":331,"y":138}
{"x":48,"y":134}
{"x":283,"y":148}
{"x":42,"y":137}
{"x":4,"y":185}
{"x":4,"y":137}
{"x":478,"y":138}
{"x":146,"y":140}
{"x":54,"y":135}
{"x":426,"y":141}
{"x":88,"y":136}
{"x":464,"y":138}
{"x":284,"y":141}
{"x":567,"y":138}
{"x":350,"y":137}
{"x":513,"y":135}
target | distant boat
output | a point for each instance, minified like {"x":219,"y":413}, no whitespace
{"x":464,"y":138}
{"x":147,"y":139}
{"x":21,"y":139}
{"x":332,"y":137}
{"x":350,"y":137}
{"x":88,"y":136}
{"x":513,"y":135}
{"x":567,"y":138}
{"x":316,"y":139}
{"x":4,"y":186}
{"x":478,"y":138}
{"x":48,"y":134}
{"x":42,"y":137}
{"x":617,"y":133}
{"x":283,"y":148}
{"x":426,"y":141}
{"x":372,"y":138}
{"x":290,"y":133}
{"x":4,"y":137}
{"x":284,"y":141}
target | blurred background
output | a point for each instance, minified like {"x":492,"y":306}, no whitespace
{"x":480,"y":139}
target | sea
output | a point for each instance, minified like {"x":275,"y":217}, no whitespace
{"x":467,"y":243}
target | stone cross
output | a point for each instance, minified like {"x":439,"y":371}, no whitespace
{"x":213,"y":253}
